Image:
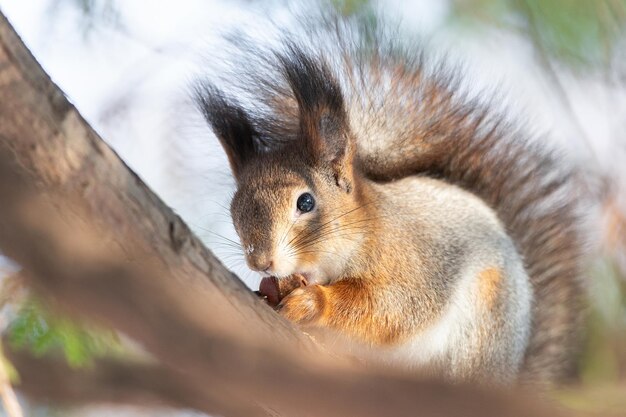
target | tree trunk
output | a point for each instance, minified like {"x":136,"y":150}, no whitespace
{"x":50,"y":139}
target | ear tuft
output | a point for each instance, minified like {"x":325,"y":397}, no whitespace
{"x":323,"y":119}
{"x":316,"y":89}
{"x":230,"y":123}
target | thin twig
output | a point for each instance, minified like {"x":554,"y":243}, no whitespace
{"x":9,"y":399}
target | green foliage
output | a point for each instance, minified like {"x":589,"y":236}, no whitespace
{"x":604,"y":358}
{"x":579,"y":33}
{"x":41,"y":331}
{"x":601,"y":400}
{"x":603,"y":362}
{"x":7,"y":371}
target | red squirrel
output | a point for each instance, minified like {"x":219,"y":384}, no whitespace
{"x":423,"y":223}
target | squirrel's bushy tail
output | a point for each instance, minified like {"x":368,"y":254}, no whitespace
{"x":529,"y":187}
{"x":410,"y":118}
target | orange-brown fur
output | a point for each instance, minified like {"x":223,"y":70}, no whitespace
{"x":490,"y":286}
{"x":347,"y":307}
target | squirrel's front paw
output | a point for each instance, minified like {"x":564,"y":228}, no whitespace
{"x":304,"y":305}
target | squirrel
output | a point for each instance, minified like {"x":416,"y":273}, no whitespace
{"x":423,"y":223}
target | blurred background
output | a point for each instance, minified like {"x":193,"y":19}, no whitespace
{"x":559,"y":65}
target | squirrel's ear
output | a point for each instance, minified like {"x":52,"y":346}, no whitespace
{"x":323,"y":119}
{"x":231,"y":125}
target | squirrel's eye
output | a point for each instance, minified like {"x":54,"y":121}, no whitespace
{"x":305,"y":203}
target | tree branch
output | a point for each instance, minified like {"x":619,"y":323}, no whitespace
{"x":48,"y":137}
{"x":108,"y":381}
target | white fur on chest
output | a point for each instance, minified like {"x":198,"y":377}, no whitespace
{"x":443,"y":337}
{"x":469,"y":339}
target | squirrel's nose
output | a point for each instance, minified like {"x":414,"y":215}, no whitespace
{"x":263,"y":264}
{"x":267,"y":267}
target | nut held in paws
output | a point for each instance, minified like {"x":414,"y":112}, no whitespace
{"x":275,"y":289}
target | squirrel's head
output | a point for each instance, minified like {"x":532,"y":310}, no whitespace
{"x":297,"y":207}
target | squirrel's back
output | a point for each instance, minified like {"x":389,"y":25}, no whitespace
{"x":410,"y":117}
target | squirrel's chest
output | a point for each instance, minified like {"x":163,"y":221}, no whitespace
{"x":441,"y":340}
